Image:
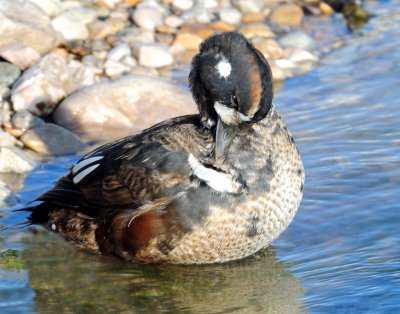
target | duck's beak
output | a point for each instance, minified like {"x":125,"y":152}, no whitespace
{"x":224,"y":135}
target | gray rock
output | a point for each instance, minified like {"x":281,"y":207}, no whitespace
{"x":23,"y":22}
{"x":43,"y":85}
{"x":113,"y":109}
{"x":8,"y":73}
{"x":51,"y":139}
{"x":297,"y":39}
{"x":14,"y":160}
{"x":24,"y":120}
{"x":154,"y":55}
{"x":7,"y":197}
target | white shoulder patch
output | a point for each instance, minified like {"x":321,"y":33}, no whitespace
{"x":221,"y":182}
{"x":224,"y":68}
{"x":85,"y":162}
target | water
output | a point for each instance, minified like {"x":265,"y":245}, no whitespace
{"x":341,"y":254}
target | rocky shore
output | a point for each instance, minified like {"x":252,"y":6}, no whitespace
{"x":73,"y":71}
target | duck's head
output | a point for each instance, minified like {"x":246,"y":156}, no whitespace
{"x":231,"y":83}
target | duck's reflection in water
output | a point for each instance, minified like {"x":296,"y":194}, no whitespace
{"x":66,"y":280}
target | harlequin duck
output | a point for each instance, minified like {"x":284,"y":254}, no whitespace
{"x":206,"y":188}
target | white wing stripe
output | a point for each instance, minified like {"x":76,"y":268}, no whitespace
{"x":84,"y":163}
{"x":76,"y":179}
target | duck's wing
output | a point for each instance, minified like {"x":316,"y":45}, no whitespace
{"x":134,"y":171}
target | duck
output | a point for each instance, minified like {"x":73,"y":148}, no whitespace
{"x":212,"y":187}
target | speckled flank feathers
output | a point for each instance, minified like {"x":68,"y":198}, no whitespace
{"x":205,"y":188}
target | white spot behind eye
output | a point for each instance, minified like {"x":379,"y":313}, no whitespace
{"x":224,"y":68}
{"x":221,"y":182}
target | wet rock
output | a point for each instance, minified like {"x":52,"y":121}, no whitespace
{"x":269,"y":48}
{"x":8,"y":73}
{"x":287,"y":14}
{"x":256,"y":30}
{"x":14,"y":160}
{"x":154,"y":55}
{"x":231,"y":16}
{"x":188,"y":41}
{"x":297,"y":39}
{"x":51,"y":139}
{"x":24,"y":120}
{"x":114,"y":109}
{"x":23,"y":22}
{"x":21,"y":56}
{"x":248,"y":6}
{"x":72,"y":24}
{"x":147,"y":17}
{"x":7,"y":197}
{"x":43,"y":85}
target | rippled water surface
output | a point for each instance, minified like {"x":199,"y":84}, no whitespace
{"x":340,"y":254}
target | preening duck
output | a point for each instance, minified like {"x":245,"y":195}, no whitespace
{"x":206,"y":188}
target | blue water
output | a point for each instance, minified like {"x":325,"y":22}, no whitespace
{"x":341,"y":254}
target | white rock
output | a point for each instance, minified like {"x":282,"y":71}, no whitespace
{"x":298,"y":55}
{"x":24,"y":23}
{"x":248,"y":6}
{"x":298,"y":39}
{"x":173,"y":21}
{"x":20,"y":55}
{"x":6,"y":140}
{"x":147,"y":17}
{"x":72,"y":23}
{"x":115,"y":68}
{"x":14,"y":160}
{"x":43,"y":85}
{"x":119,"y":52}
{"x":182,"y":5}
{"x":129,"y":61}
{"x":231,"y":16}
{"x":154,"y":55}
{"x":114,"y":109}
{"x":50,"y":7}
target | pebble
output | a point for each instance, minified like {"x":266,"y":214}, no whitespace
{"x":147,"y":17}
{"x":12,"y":159}
{"x":248,"y":6}
{"x":188,"y":41}
{"x":51,"y":139}
{"x":298,"y":55}
{"x":231,"y":16}
{"x":269,"y":48}
{"x":297,"y":39}
{"x":119,"y":52}
{"x":198,"y":13}
{"x":254,"y":17}
{"x":6,"y":140}
{"x":8,"y":74}
{"x":287,"y":14}
{"x":50,"y":7}
{"x":42,"y":86}
{"x":256,"y":30}
{"x":173,"y":21}
{"x":115,"y":68}
{"x":21,"y":56}
{"x":23,"y":22}
{"x":278,"y":75}
{"x":24,"y":120}
{"x":182,"y":5}
{"x":7,"y":197}
{"x":133,"y":36}
{"x":112,"y":109}
{"x":154,"y":55}
{"x":72,"y":24}
{"x":102,"y":29}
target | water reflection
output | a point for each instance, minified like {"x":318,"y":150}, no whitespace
{"x":66,"y":280}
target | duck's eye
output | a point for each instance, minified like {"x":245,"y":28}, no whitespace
{"x":234,"y":101}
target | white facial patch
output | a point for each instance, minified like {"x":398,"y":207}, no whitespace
{"x":221,"y":182}
{"x":229,"y":115}
{"x":224,"y":68}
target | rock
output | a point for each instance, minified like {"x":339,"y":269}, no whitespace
{"x":24,"y":23}
{"x":182,"y":5}
{"x":8,"y":73}
{"x":298,"y":55}
{"x":43,"y":85}
{"x":119,"y":52}
{"x":222,"y":26}
{"x":154,"y":55}
{"x":147,"y":17}
{"x":287,"y":14}
{"x":72,"y":23}
{"x":287,"y":66}
{"x":24,"y":120}
{"x":297,"y":39}
{"x":201,"y":30}
{"x":51,"y":139}
{"x":114,"y":109}
{"x":115,"y":68}
{"x":21,"y":56}
{"x":5,"y":114}
{"x":14,"y":160}
{"x":254,"y":17}
{"x":256,"y":30}
{"x":230,"y":15}
{"x":269,"y":48}
{"x":7,"y":197}
{"x":248,"y":6}
{"x":83,"y":75}
{"x":188,"y":41}
{"x":133,"y":36}
{"x":50,"y":7}
{"x":139,"y":70}
{"x":198,"y":13}
{"x":173,"y":21}
{"x":325,"y":8}
{"x":6,"y":140}
{"x":102,"y":29}
{"x":277,"y":73}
